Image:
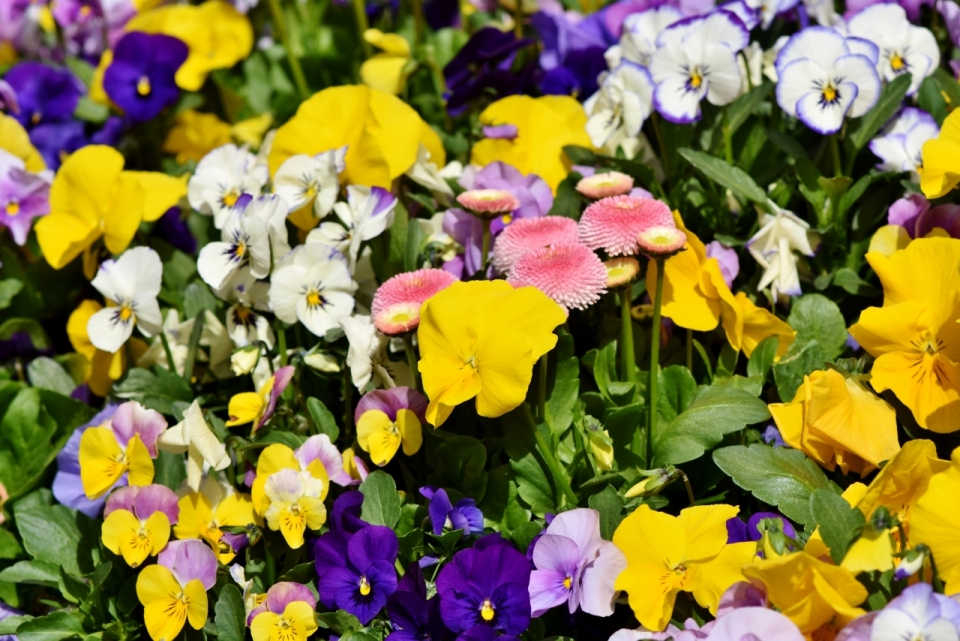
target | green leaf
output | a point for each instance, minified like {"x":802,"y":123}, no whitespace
{"x":197,"y":297}
{"x":53,"y":627}
{"x":789,"y":372}
{"x":32,"y":573}
{"x":381,"y":503}
{"x":733,"y":178}
{"x":714,"y":413}
{"x":10,"y":624}
{"x":500,"y":505}
{"x":47,"y":373}
{"x":50,"y":534}
{"x":677,"y":391}
{"x":91,"y":111}
{"x":158,"y":389}
{"x":817,"y":318}
{"x":534,"y":484}
{"x":787,"y":144}
{"x":744,"y":106}
{"x":9,"y":546}
{"x":9,"y":287}
{"x":568,"y":201}
{"x":623,"y":426}
{"x":889,"y":102}
{"x":776,"y":475}
{"x":230,"y":614}
{"x":849,"y":281}
{"x":761,"y":360}
{"x":170,"y":470}
{"x":460,"y":464}
{"x":838,"y":521}
{"x":564,"y":387}
{"x":610,"y":506}
{"x":291,"y":440}
{"x":322,"y":418}
{"x":37,"y":334}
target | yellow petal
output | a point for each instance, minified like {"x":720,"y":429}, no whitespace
{"x":122,"y":219}
{"x":196,"y":134}
{"x":716,"y":575}
{"x":684,"y":302}
{"x":99,"y":469}
{"x":759,"y":324}
{"x":504,"y":363}
{"x":77,"y":328}
{"x":935,"y":522}
{"x":196,"y":599}
{"x":384,"y":72}
{"x":236,"y":510}
{"x":156,"y":582}
{"x":934,"y":400}
{"x":245,"y":407}
{"x":15,"y":140}
{"x":391,"y":43}
{"x":873,"y":550}
{"x":411,"y":432}
{"x":651,"y":605}
{"x":934,"y":258}
{"x":941,"y":167}
{"x":315,"y":512}
{"x":377,"y":434}
{"x":252,"y":130}
{"x":139,"y":463}
{"x":161,"y":192}
{"x":903,"y":480}
{"x":118,"y":525}
{"x":272,"y":459}
{"x":705,"y":528}
{"x":263,"y":626}
{"x":646,"y":536}
{"x":196,"y":514}
{"x":889,"y":239}
{"x":303,"y":615}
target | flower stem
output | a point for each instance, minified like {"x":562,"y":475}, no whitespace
{"x":727,"y":137}
{"x":542,"y":397}
{"x":282,"y":343}
{"x":194,"y":345}
{"x":360,"y":13}
{"x":835,"y":154}
{"x":654,"y":363}
{"x":485,"y":247}
{"x":628,"y":365}
{"x":166,"y":348}
{"x":559,"y":476}
{"x":298,"y":78}
{"x":411,"y":360}
{"x":419,"y":21}
{"x":518,"y":17}
{"x":690,"y":350}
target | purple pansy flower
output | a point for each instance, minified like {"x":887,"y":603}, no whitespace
{"x":356,"y":570}
{"x":906,"y":211}
{"x":915,"y":214}
{"x":173,"y":229}
{"x":5,"y":612}
{"x":143,"y":501}
{"x":345,"y":515}
{"x":740,"y":532}
{"x":45,"y":94}
{"x":67,"y":486}
{"x":743,"y":623}
{"x":486,"y":585}
{"x":482,"y":66}
{"x":140,"y":79}
{"x":772,"y":436}
{"x":572,"y":54}
{"x":188,"y":560}
{"x":280,"y":595}
{"x":464,"y":516}
{"x":575,"y":565}
{"x":23,"y":197}
{"x":414,"y":618}
{"x":56,"y":140}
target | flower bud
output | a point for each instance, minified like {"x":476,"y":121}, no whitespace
{"x":244,"y":360}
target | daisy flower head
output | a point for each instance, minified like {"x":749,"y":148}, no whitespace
{"x":824,"y":78}
{"x":612,"y":224}
{"x":904,"y":48}
{"x":310,"y":185}
{"x":530,"y":234}
{"x":900,"y":146}
{"x":608,"y":183}
{"x":131,"y":283}
{"x":571,"y":274}
{"x":221,"y":177}
{"x":619,"y":108}
{"x":696,"y":59}
{"x":488,"y":203}
{"x":621,"y":271}
{"x":661,"y":241}
{"x":396,"y":305}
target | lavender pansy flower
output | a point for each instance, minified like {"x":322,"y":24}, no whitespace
{"x":280,"y":595}
{"x":143,"y":501}
{"x":67,"y":486}
{"x":740,"y":532}
{"x":918,"y":613}
{"x":356,"y":570}
{"x":906,"y":211}
{"x":486,"y":585}
{"x":390,"y":401}
{"x":742,"y":594}
{"x":483,"y":65}
{"x":45,"y":94}
{"x":772,"y":436}
{"x":727,"y":259}
{"x":140,"y":79}
{"x":915,"y":214}
{"x":750,"y":623}
{"x":464,"y":516}
{"x":23,"y":197}
{"x":7,"y":611}
{"x":899,"y":146}
{"x":575,"y":565}
{"x":188,"y":560}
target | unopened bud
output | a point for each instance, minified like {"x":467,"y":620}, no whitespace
{"x":244,"y":360}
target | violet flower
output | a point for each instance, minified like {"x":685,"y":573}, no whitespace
{"x":173,"y":229}
{"x":413,"y":616}
{"x":464,"y":516}
{"x":356,"y":570}
{"x":772,"y":436}
{"x":7,"y":611}
{"x":572,"y":53}
{"x":280,"y":595}
{"x":345,"y":515}
{"x":575,"y":565}
{"x":483,"y":66}
{"x":743,"y":623}
{"x":740,"y":532}
{"x":912,"y":7}
{"x":143,"y":501}
{"x":915,"y":214}
{"x":390,"y":401}
{"x":23,"y":197}
{"x":140,"y":79}
{"x":486,"y":585}
{"x":56,"y":140}
{"x":67,"y":486}
{"x":46,"y":95}
{"x":188,"y":560}
{"x":8,"y":98}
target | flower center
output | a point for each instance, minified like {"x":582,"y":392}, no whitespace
{"x":241,"y":315}
{"x":897,"y":62}
{"x":310,"y":191}
{"x":143,"y":86}
{"x":567,"y":583}
{"x":13,"y":208}
{"x":696,"y":78}
{"x":85,"y":11}
{"x":364,"y":586}
{"x":506,"y":220}
{"x":829,"y":94}
{"x":124,"y":313}
{"x":314,"y":299}
{"x":472,"y":361}
{"x":393,"y":429}
{"x":487,"y":611}
{"x":229,"y":199}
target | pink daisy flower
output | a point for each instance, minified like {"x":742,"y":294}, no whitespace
{"x":396,"y":305}
{"x":612,"y":224}
{"x":489,"y":203}
{"x":661,"y":241}
{"x":528,"y":234}
{"x":611,"y":183}
{"x":571,"y":274}
{"x":621,"y":271}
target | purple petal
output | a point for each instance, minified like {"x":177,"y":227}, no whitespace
{"x":596,"y":594}
{"x":319,"y":448}
{"x":512,"y":606}
{"x":121,"y":499}
{"x":547,"y":590}
{"x":946,"y":217}
{"x":285,"y":592}
{"x":188,"y":560}
{"x":439,"y":509}
{"x":762,"y":623}
{"x":133,"y":418}
{"x":557,"y":554}
{"x":281,"y":379}
{"x":345,"y":514}
{"x":454,"y":574}
{"x":906,"y":211}
{"x":581,"y":526}
{"x":237,"y":542}
{"x":392,"y":400}
{"x":507,"y":132}
{"x":759,"y":516}
{"x":408,"y":611}
{"x":413,"y":581}
{"x":336,"y":583}
{"x":727,"y":258}
{"x":372,"y":544}
{"x":330,"y":551}
{"x":156,"y":498}
{"x":741,"y":595}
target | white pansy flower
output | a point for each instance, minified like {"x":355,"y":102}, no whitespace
{"x":367,"y":355}
{"x":221,"y":177}
{"x":696,"y":59}
{"x":312,"y":285}
{"x":131,"y":283}
{"x":425,"y":172}
{"x":620,"y":106}
{"x":249,"y":295}
{"x":311,"y":183}
{"x":213,"y":336}
{"x":751,"y":67}
{"x":193,"y":436}
{"x":904,"y":48}
{"x":899,"y":146}
{"x":822,"y":80}
{"x":367,"y":213}
{"x":638,"y":41}
{"x":774,"y":246}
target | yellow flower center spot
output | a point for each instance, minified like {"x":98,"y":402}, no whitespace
{"x":829,"y":93}
{"x":314,"y":299}
{"x":85,"y":11}
{"x":35,"y":118}
{"x":507,"y":219}
{"x":310,"y":191}
{"x":364,"y":586}
{"x":13,"y":208}
{"x":393,"y":429}
{"x":242,"y":313}
{"x":897,"y":63}
{"x":143,"y":86}
{"x":567,"y":583}
{"x":229,"y":199}
{"x":240,"y":249}
{"x":696,"y":78}
{"x":487,"y":611}
{"x":126,"y":313}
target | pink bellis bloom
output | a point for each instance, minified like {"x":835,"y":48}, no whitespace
{"x":137,"y":521}
{"x":613,"y":224}
{"x":488,"y":203}
{"x":529,"y":234}
{"x":396,"y":305}
{"x":575,"y":566}
{"x":570,"y":274}
{"x":605,"y":185}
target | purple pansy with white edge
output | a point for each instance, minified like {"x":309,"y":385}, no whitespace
{"x":575,"y":565}
{"x":638,"y":41}
{"x":188,"y":560}
{"x":67,"y":486}
{"x":280,"y":595}
{"x":760,"y":12}
{"x":899,"y":146}
{"x":23,"y":197}
{"x":464,"y":516}
{"x":696,"y":59}
{"x":822,"y":80}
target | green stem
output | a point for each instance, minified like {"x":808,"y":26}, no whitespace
{"x":690,"y":350}
{"x":270,"y":562}
{"x":282,"y":343}
{"x":518,"y":17}
{"x":559,"y":476}
{"x":485,"y":246}
{"x":419,"y":21}
{"x":360,"y":13}
{"x":654,"y":363}
{"x":169,"y":352}
{"x":727,"y":137}
{"x":194,"y":345}
{"x":628,"y":365}
{"x":542,"y":396}
{"x":298,"y":78}
{"x":835,"y":154}
{"x":411,"y":360}
{"x":664,"y":155}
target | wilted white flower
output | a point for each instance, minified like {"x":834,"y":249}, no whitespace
{"x":367,"y":355}
{"x":774,"y":246}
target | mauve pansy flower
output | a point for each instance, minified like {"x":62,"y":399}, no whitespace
{"x":387,"y":419}
{"x":23,"y":197}
{"x":464,"y":516}
{"x":571,"y":274}
{"x":915,"y":214}
{"x":279,"y":596}
{"x":67,"y":487}
{"x":357,"y":571}
{"x":140,"y":79}
{"x":906,"y":211}
{"x":572,"y":52}
{"x":173,"y":228}
{"x":530,"y":234}
{"x":137,"y":521}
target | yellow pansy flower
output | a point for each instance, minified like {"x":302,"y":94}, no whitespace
{"x":480,"y":339}
{"x":137,"y":522}
{"x":288,"y":614}
{"x":935,"y":522}
{"x":174,"y":591}
{"x":215,"y":506}
{"x":810,"y":592}
{"x":381,"y":132}
{"x":940,"y":172}
{"x":195,"y":134}
{"x":914,"y":336}
{"x":217,"y":35}
{"x":257,"y":407}
{"x":836,"y":421}
{"x":92,"y":196}
{"x":384,"y":71}
{"x":15,"y":140}
{"x":103,"y":368}
{"x":382,"y":436}
{"x":695,"y":296}
{"x":668,"y":554}
{"x":252,"y":130}
{"x":544,"y":126}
